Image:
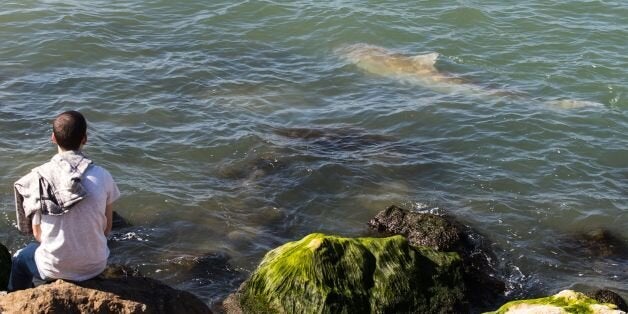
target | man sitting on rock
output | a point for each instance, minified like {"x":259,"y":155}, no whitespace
{"x":66,"y":204}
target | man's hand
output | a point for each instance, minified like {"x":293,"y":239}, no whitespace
{"x":37,"y":232}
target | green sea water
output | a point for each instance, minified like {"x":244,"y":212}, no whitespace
{"x":233,"y":127}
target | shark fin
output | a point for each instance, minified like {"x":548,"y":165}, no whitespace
{"x":426,"y":60}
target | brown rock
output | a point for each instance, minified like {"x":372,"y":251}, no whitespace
{"x":231,"y":305}
{"x":99,"y":295}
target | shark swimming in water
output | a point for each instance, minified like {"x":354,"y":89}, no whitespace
{"x":421,"y":70}
{"x":418,"y":69}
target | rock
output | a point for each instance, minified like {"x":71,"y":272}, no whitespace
{"x":608,"y":296}
{"x":322,"y":274}
{"x":201,"y":271}
{"x":601,"y":243}
{"x":566,"y":301}
{"x":112,"y":292}
{"x":421,"y":229}
{"x":443,"y":233}
{"x":118,"y":221}
{"x":5,"y":267}
{"x":252,"y":168}
{"x":206,"y":265}
{"x":115,"y":271}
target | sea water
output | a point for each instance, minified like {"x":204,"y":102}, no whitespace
{"x":233,"y":127}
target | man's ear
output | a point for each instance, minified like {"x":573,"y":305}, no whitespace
{"x":53,"y":138}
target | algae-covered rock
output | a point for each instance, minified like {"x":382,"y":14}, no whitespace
{"x":608,"y":296}
{"x":444,"y":233}
{"x":5,"y":267}
{"x":566,"y":301}
{"x":327,"y":274}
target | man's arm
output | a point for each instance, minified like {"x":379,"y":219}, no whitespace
{"x":37,"y":232}
{"x":109,"y":214}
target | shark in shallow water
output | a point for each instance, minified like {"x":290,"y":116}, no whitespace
{"x":418,"y":69}
{"x":421,"y":70}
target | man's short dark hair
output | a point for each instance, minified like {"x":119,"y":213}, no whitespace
{"x":69,"y":129}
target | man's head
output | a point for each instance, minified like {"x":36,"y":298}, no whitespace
{"x":69,"y":130}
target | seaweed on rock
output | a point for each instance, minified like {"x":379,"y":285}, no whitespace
{"x":566,"y":301}
{"x":443,"y":233}
{"x":328,"y":274}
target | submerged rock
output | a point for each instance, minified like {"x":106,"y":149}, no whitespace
{"x":325,"y":274}
{"x":118,"y":221}
{"x":5,"y":267}
{"x":202,"y":271}
{"x":207,"y":265}
{"x":252,"y":169}
{"x":334,"y":138}
{"x":600,"y":243}
{"x":443,"y":233}
{"x":113,"y":292}
{"x":566,"y":301}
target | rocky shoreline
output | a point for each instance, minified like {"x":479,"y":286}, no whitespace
{"x":112,"y":292}
{"x":421,"y":263}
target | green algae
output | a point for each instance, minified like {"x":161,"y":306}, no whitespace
{"x":327,"y":274}
{"x":567,"y":300}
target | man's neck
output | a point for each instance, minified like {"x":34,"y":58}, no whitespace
{"x":61,"y":150}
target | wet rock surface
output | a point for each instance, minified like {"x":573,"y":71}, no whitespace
{"x":201,"y":266}
{"x":421,"y":229}
{"x":443,"y":233}
{"x":200,"y":272}
{"x":608,"y":296}
{"x":117,"y":290}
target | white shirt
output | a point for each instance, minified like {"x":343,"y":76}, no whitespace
{"x":73,"y":246}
